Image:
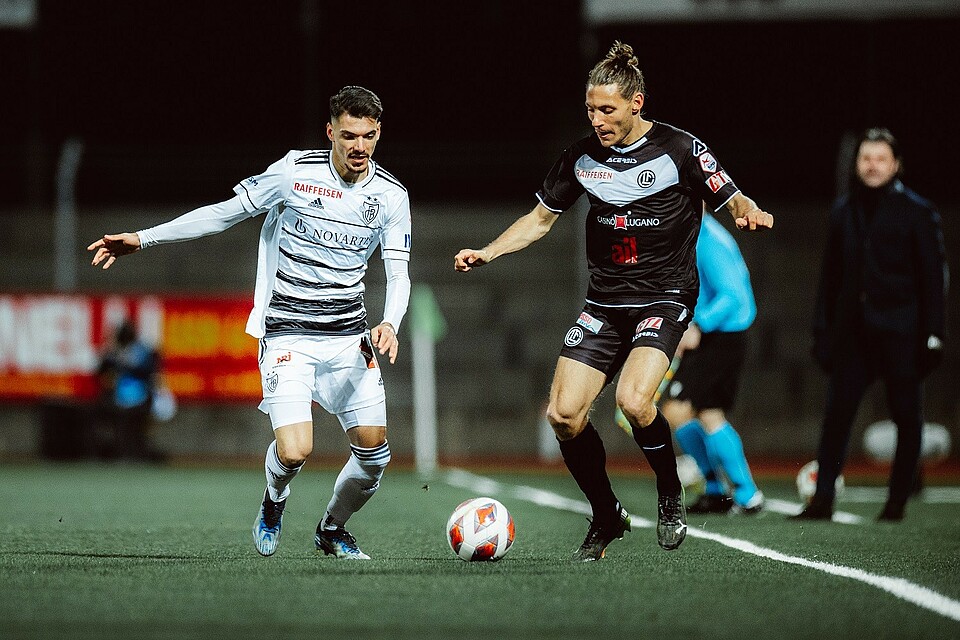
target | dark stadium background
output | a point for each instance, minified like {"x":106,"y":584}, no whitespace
{"x":175,"y":103}
{"x":478,"y":98}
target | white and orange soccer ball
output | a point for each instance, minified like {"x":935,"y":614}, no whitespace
{"x":807,"y":481}
{"x":480,"y":529}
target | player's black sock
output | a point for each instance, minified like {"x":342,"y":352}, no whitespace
{"x":587,"y":461}
{"x":657,"y":444}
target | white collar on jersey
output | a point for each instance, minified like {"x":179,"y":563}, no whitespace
{"x":371,"y":170}
{"x":635,"y":145}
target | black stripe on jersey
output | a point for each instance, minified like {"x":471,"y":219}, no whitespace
{"x":317,"y":244}
{"x":306,"y":284}
{"x":389,"y":178}
{"x":342,"y":307}
{"x":351,"y":224}
{"x":315,"y":263}
{"x":312,"y":162}
{"x":278,"y":326}
{"x":247,"y":193}
{"x":316,"y":155}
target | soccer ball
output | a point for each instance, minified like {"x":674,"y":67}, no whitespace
{"x":689,"y":471}
{"x":880,"y":442}
{"x":480,"y":529}
{"x":807,"y":481}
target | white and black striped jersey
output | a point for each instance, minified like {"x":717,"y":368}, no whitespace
{"x":645,"y":211}
{"x":316,"y":240}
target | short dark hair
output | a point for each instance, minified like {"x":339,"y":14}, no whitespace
{"x":619,"y":67}
{"x":357,"y":102}
{"x":880,"y":134}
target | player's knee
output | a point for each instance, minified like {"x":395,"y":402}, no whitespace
{"x":294,"y":454}
{"x":566,"y":423}
{"x":639,"y":411}
{"x":712,"y":419}
{"x":677,"y":412}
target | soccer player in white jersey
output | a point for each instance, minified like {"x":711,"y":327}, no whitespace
{"x":326,"y":212}
{"x":645,"y":181}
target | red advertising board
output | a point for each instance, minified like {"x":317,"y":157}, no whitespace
{"x":50,"y":345}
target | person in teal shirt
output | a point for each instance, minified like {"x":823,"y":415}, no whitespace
{"x":702,"y":392}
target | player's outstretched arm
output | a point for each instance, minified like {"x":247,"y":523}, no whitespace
{"x":521,"y":234}
{"x":747,"y":215}
{"x":111,"y":247}
{"x":203,"y":221}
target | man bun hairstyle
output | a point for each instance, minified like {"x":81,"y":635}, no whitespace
{"x":357,"y":102}
{"x":619,"y":67}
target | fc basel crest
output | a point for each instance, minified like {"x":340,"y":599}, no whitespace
{"x":371,"y":209}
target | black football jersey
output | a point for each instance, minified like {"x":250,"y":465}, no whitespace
{"x":645,"y":211}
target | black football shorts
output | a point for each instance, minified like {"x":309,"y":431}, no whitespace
{"x":708,"y":375}
{"x":602,"y":337}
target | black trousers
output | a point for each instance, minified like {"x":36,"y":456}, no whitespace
{"x":891,"y":358}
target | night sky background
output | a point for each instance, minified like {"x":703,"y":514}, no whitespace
{"x":176,"y":105}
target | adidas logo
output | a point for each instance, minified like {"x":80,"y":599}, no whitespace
{"x":316,"y":204}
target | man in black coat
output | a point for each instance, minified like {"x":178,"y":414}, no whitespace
{"x":881,"y":313}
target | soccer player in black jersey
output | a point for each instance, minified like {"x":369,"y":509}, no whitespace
{"x":645,"y":181}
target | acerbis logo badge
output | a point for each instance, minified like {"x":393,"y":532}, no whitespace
{"x":646,"y":178}
{"x":573,"y":337}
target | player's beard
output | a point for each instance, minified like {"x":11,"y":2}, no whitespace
{"x":358,"y":163}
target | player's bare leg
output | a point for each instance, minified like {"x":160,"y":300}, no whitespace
{"x":575,"y":387}
{"x":285,"y":458}
{"x":356,"y":484}
{"x":639,"y":379}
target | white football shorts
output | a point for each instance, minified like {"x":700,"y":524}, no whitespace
{"x":340,"y":373}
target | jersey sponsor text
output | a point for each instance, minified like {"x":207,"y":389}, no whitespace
{"x":305,"y":187}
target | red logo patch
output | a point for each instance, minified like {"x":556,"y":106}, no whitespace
{"x":650,"y":323}
{"x":717,"y":180}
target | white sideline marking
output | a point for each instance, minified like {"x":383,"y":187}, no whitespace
{"x":791,"y":508}
{"x":903,"y":589}
{"x":929,"y":495}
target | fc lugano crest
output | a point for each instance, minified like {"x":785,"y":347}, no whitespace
{"x":573,"y":337}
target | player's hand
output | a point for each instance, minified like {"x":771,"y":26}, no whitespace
{"x":469,"y":258}
{"x":384,"y":338}
{"x":755,"y":219}
{"x":111,"y":247}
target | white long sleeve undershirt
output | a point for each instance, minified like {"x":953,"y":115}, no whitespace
{"x":398,"y":291}
{"x":204,"y":221}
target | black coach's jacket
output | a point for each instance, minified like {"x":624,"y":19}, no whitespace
{"x":884,"y":272}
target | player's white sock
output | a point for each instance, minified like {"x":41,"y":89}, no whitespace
{"x":278,"y":474}
{"x":357,"y":482}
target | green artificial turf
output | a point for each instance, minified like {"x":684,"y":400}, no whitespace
{"x":120,"y":551}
